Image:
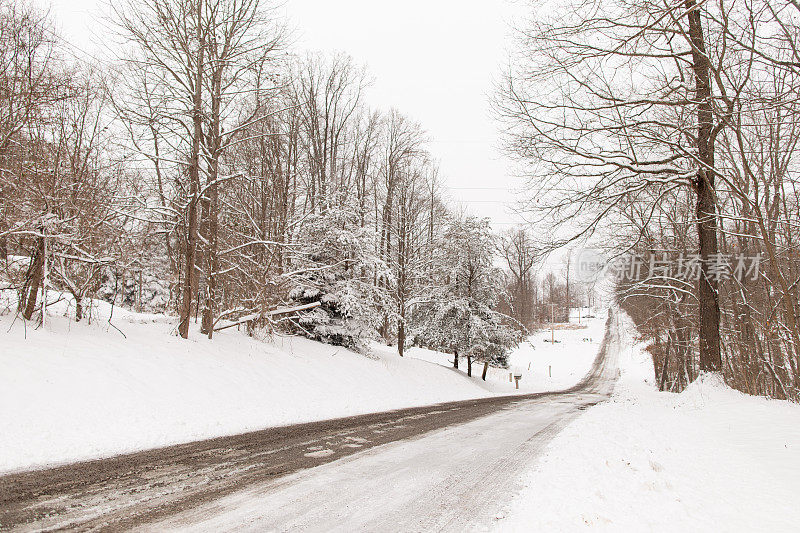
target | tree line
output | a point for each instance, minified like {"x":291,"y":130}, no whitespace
{"x":204,"y":170}
{"x":670,"y":128}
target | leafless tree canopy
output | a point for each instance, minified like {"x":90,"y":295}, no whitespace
{"x":671,"y":125}
{"x":207,"y":172}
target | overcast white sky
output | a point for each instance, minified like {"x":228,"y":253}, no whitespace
{"x":434,"y":60}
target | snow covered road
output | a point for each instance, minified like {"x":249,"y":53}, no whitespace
{"x":441,"y":467}
{"x":448,"y":480}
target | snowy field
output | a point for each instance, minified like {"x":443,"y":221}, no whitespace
{"x":709,"y":459}
{"x":543,"y":365}
{"x":73,"y":391}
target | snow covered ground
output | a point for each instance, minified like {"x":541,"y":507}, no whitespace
{"x":74,"y":391}
{"x":709,"y":459}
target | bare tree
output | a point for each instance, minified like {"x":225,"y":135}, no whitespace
{"x":614,"y":100}
{"x":199,"y":57}
{"x":519,"y":253}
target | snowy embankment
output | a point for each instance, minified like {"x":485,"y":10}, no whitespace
{"x":72,"y":391}
{"x":708,"y":459}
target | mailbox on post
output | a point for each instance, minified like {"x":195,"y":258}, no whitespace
{"x":517,"y":377}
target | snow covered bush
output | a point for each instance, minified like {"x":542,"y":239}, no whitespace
{"x":150,"y":292}
{"x":338,"y":267}
{"x":460,"y":315}
{"x":467,"y":327}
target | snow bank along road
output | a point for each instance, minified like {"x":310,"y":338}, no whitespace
{"x":440,"y":467}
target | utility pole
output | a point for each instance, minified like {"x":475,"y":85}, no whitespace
{"x":569,"y":264}
{"x":45,"y":275}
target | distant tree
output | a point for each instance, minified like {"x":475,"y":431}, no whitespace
{"x":518,"y":251}
{"x":193,"y":63}
{"x":460,"y":317}
{"x":614,"y":98}
{"x":31,"y":84}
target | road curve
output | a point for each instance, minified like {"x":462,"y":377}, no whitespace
{"x":409,"y":469}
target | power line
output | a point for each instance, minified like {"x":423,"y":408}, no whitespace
{"x":480,"y":189}
{"x":484,"y":201}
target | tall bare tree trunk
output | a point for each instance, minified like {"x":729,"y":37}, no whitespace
{"x":710,"y":356}
{"x":190,"y":281}
{"x":209,"y":312}
{"x":213,"y":206}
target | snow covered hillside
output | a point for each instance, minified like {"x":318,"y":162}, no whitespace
{"x":74,"y":391}
{"x":708,"y":459}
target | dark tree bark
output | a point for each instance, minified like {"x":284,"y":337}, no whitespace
{"x":190,"y":281}
{"x":212,"y":264}
{"x":663,"y":381}
{"x":34,"y":280}
{"x":710,"y":355}
{"x":401,"y":338}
